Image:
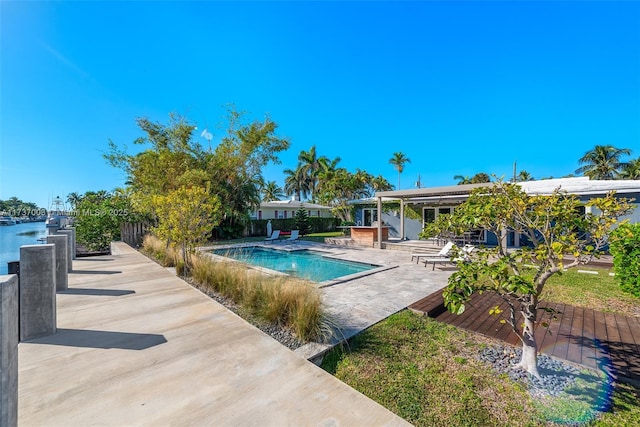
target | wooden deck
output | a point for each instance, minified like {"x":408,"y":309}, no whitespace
{"x":580,"y":335}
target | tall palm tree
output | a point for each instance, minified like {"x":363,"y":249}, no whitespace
{"x":297,"y":183}
{"x":271,"y":191}
{"x":462,"y":179}
{"x":398,"y":160}
{"x":312,"y":166}
{"x":603,"y":162}
{"x":632,"y":170}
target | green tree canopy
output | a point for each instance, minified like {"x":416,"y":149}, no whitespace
{"x":232,"y":172}
{"x":560,"y":237}
{"x":603,"y":162}
{"x":271,"y":191}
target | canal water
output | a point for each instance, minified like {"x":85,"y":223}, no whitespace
{"x":14,"y":236}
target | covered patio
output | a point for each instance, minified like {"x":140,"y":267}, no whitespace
{"x":441,"y":200}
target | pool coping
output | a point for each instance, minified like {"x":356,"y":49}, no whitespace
{"x":290,"y":248}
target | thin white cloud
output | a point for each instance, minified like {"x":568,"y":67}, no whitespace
{"x":60,"y":57}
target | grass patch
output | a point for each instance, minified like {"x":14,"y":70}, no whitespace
{"x":427,"y":373}
{"x":599,"y":292}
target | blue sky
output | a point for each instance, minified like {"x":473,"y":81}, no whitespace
{"x":459,"y":87}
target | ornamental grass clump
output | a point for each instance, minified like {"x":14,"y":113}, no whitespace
{"x":290,"y":303}
{"x":158,"y":250}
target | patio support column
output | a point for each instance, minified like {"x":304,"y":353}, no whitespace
{"x":379,"y":222}
{"x":401,"y":219}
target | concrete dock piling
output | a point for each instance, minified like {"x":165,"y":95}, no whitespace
{"x":62,"y":274}
{"x":37,"y":298}
{"x":70,"y":245}
{"x":9,"y":350}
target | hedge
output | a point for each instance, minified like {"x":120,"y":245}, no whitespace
{"x":258,"y":227}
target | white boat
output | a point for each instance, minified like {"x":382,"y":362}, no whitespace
{"x":7,"y":220}
{"x":57,"y":217}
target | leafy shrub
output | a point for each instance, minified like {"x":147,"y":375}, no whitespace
{"x":625,"y":248}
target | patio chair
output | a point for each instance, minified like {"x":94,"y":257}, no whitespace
{"x":443,"y":253}
{"x":295,"y":235}
{"x":444,"y":256}
{"x":274,"y":236}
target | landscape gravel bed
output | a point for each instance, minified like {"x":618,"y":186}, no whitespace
{"x":555,"y":376}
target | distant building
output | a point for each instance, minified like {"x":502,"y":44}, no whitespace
{"x":283,"y":209}
{"x":428,"y":203}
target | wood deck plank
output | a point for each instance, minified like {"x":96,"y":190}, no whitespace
{"x":547,"y":337}
{"x":614,"y":347}
{"x":589,"y":356}
{"x":561,"y":347}
{"x":602,"y":352}
{"x":574,"y":341}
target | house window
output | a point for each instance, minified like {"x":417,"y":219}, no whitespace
{"x":285,"y":214}
{"x":430,"y":214}
{"x":280,"y":214}
{"x":369,"y":215}
{"x":259,"y":214}
{"x":275,"y":215}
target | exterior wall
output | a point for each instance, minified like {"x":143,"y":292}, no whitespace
{"x":270,"y":213}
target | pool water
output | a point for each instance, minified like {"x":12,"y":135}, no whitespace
{"x":304,"y":264}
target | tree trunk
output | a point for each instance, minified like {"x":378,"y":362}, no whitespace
{"x":529,"y":360}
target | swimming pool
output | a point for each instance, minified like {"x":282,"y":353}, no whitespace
{"x":305,"y":264}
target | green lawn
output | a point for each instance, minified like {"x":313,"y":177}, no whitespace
{"x":427,"y":373}
{"x":600,"y":292}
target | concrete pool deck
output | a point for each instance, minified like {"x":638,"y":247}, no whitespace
{"x":357,"y":304}
{"x":137,"y":345}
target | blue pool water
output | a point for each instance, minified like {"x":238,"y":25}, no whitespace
{"x":304,"y":264}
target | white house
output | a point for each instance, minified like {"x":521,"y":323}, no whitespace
{"x":434,"y":201}
{"x":283,"y":209}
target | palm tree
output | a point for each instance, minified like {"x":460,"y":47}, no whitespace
{"x":524,"y":176}
{"x":462,"y":179}
{"x":632,"y":170}
{"x":297,"y":182}
{"x":271,"y":191}
{"x":398,"y":161}
{"x":380,"y":183}
{"x":603,"y":162}
{"x":73,"y":199}
{"x":312,"y":166}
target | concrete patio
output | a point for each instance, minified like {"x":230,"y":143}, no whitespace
{"x":138,"y":346}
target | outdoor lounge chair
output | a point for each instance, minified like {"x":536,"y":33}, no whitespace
{"x":444,"y":252}
{"x":444,"y":256}
{"x":274,"y":236}
{"x":295,"y":235}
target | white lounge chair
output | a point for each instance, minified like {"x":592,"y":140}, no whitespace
{"x":295,"y":235}
{"x":444,"y":252}
{"x":442,"y":257}
{"x":274,"y":236}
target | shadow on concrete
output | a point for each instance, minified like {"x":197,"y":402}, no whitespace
{"x":97,"y":292}
{"x":101,"y":339}
{"x":94,"y":272}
